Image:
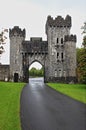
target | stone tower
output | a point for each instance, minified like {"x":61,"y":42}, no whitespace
{"x":57,"y":54}
{"x":17,"y":36}
{"x":61,"y":50}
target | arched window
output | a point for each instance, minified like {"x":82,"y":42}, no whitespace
{"x":60,"y":73}
{"x":61,"y":40}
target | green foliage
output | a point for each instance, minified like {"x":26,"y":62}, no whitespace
{"x":36,"y":72}
{"x":76,"y":91}
{"x":2,"y":40}
{"x":84,"y":41}
{"x":10,"y":105}
{"x":81,"y":65}
{"x":84,"y":32}
{"x":81,"y":59}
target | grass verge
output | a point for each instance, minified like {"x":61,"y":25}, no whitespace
{"x":76,"y":91}
{"x":10,"y":105}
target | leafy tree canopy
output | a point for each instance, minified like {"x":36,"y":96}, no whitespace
{"x":81,"y":58}
{"x":2,"y":40}
{"x":33,"y":72}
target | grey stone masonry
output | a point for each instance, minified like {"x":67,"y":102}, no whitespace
{"x":58,"y":22}
{"x":17,"y":36}
{"x":34,"y":50}
{"x":70,"y":38}
{"x":57,"y":54}
{"x":61,"y":50}
{"x":4,"y":72}
{"x":35,"y":47}
{"x":18,"y":31}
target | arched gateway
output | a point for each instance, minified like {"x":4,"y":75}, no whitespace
{"x":34,"y":50}
{"x":57,"y":54}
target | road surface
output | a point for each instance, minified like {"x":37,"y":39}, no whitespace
{"x":42,"y":108}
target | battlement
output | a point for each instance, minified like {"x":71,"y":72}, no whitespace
{"x":59,"y":21}
{"x":35,"y":47}
{"x":34,"y":39}
{"x":70,"y":38}
{"x":16,"y":30}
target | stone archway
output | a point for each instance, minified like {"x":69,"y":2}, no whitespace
{"x":36,"y":70}
{"x":57,"y":54}
{"x":33,"y":50}
{"x":30,"y":59}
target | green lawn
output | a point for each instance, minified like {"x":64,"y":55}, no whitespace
{"x":76,"y":91}
{"x":10,"y":105}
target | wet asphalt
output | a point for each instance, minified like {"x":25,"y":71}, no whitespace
{"x":42,"y":108}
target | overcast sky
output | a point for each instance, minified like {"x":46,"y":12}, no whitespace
{"x":32,"y":15}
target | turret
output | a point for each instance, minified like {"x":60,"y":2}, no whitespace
{"x":16,"y":31}
{"x":70,"y":54}
{"x":58,"y":37}
{"x":17,"y":36}
{"x":58,"y":22}
{"x":70,"y":38}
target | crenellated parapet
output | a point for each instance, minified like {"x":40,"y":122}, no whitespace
{"x":18,"y":31}
{"x":59,"y":21}
{"x":57,"y":54}
{"x":70,"y":38}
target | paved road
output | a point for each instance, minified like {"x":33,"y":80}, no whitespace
{"x":45,"y":109}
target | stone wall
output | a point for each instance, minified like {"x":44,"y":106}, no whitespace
{"x":16,"y":35}
{"x":61,"y":50}
{"x":34,"y":50}
{"x":57,"y":54}
{"x":4,"y":72}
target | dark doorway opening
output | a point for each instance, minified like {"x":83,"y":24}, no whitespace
{"x":16,"y":77}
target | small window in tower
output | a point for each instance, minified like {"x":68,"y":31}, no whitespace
{"x":62,"y":55}
{"x":61,"y":40}
{"x":57,"y":55}
{"x":57,"y":40}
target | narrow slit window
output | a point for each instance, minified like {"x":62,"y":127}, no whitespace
{"x":62,"y":55}
{"x":57,"y":40}
{"x":61,"y":40}
{"x":57,"y":55}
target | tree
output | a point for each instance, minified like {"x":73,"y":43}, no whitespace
{"x":84,"y":28}
{"x":81,"y":58}
{"x":2,"y":40}
{"x":84,"y":41}
{"x":36,"y":72}
{"x":81,"y":65}
{"x":84,"y":32}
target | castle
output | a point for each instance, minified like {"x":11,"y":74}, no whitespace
{"x":57,"y":55}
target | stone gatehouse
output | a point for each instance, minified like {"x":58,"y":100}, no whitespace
{"x":57,"y":54}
